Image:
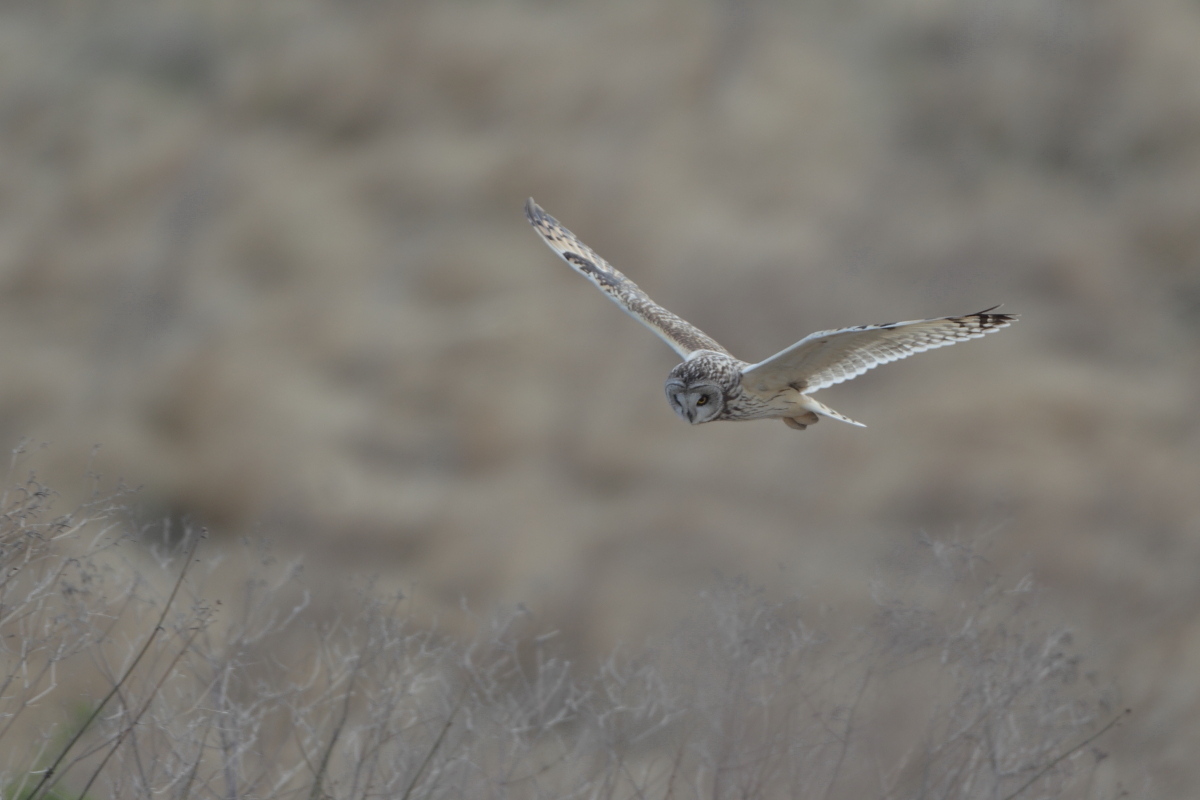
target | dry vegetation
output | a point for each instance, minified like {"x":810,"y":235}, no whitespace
{"x":270,"y":257}
{"x":275,"y":699}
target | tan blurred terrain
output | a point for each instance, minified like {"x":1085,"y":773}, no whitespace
{"x":271,"y":258}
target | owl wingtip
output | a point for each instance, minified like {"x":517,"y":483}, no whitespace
{"x":993,"y":320}
{"x":532,"y":210}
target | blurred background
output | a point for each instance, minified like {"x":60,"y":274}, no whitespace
{"x":267,"y":262}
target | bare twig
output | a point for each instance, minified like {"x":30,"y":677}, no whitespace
{"x":1068,"y":753}
{"x":845,"y":738}
{"x":133,"y":722}
{"x":437,"y":743}
{"x":41,"y":787}
{"x":319,"y":778}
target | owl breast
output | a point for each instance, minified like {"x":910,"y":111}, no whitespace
{"x":741,"y":404}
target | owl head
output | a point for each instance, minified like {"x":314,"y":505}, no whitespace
{"x":697,"y":388}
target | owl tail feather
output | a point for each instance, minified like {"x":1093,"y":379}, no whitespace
{"x":808,"y":404}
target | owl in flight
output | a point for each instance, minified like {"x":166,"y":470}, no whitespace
{"x":711,"y":384}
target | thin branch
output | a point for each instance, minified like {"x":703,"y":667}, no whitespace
{"x":319,"y":778}
{"x":145,"y":706}
{"x":191,"y":776}
{"x":675,"y":769}
{"x":436,"y":745}
{"x":1067,"y":753}
{"x":39,"y":789}
{"x":837,"y":767}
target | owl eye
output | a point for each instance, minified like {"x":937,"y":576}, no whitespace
{"x":702,"y":401}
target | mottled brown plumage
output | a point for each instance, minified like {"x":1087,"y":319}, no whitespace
{"x":683,"y":337}
{"x":711,"y":384}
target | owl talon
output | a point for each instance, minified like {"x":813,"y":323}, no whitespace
{"x":791,"y":423}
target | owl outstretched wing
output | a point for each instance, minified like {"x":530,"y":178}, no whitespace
{"x":828,"y":357}
{"x":684,"y":337}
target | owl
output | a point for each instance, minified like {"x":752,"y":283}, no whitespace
{"x":712,"y":385}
